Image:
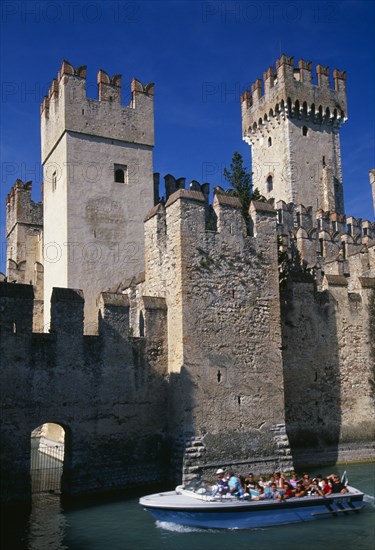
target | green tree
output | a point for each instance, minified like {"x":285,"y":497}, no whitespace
{"x":241,"y":184}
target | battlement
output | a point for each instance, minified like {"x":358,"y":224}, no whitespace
{"x":67,"y":108}
{"x":323,"y":238}
{"x":289,"y":92}
{"x":186,"y":211}
{"x":21,"y":208}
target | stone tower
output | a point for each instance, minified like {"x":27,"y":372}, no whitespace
{"x":98,"y":183}
{"x":293,"y":127}
{"x":24,"y":231}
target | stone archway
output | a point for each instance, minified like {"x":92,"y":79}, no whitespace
{"x":47,"y":458}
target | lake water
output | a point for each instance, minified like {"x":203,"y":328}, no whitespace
{"x":119,"y":523}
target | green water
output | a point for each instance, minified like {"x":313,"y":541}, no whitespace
{"x":119,"y":523}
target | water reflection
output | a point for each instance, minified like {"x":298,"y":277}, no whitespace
{"x":47,"y":524}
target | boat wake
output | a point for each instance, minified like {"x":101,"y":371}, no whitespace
{"x":169,"y":526}
{"x":370,"y":501}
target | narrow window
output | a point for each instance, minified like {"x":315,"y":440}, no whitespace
{"x":324,"y":161}
{"x":321,"y":247}
{"x":280,"y":215}
{"x":349,"y":231}
{"x":141,"y":325}
{"x":304,"y":131}
{"x":298,"y":215}
{"x":14,"y":328}
{"x":344,"y":250}
{"x":269,"y":142}
{"x":54,"y":181}
{"x":269,"y":184}
{"x":121,"y":173}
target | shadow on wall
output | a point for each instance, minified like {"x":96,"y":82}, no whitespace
{"x":311,"y":372}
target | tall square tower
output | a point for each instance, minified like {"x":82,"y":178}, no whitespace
{"x":293,"y":128}
{"x":98,"y":184}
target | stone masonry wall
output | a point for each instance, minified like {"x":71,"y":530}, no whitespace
{"x":328,"y":368}
{"x":224,"y":360}
{"x":108,"y":392}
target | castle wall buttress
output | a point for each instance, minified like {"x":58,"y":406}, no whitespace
{"x":221,"y":292}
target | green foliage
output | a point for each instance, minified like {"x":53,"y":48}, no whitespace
{"x":241,"y":184}
{"x":288,"y":263}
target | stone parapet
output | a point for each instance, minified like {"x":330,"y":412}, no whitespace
{"x":67,"y":109}
{"x":290,"y":93}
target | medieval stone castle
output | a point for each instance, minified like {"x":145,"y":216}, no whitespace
{"x":163,"y":348}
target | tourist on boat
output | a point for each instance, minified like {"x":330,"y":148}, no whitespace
{"x":319,"y":479}
{"x":293,"y":480}
{"x":315,"y":490}
{"x":235,"y":487}
{"x":221,"y":488}
{"x":261,"y":495}
{"x":271,"y":480}
{"x":306,"y":480}
{"x":327,"y":489}
{"x":279,"y":480}
{"x":262,"y":482}
{"x":288,"y":490}
{"x":300,"y":490}
{"x":274,"y":493}
{"x":250,"y":482}
{"x":336,"y":484}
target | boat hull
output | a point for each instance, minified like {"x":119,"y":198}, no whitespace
{"x":178,"y":509}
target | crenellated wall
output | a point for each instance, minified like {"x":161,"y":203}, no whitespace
{"x":290,"y":91}
{"x":327,"y":240}
{"x":108,"y":392}
{"x":67,"y":108}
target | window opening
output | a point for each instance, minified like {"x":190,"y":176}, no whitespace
{"x":321,"y":246}
{"x":304,"y":131}
{"x":269,"y":142}
{"x":121,"y":173}
{"x":54,"y":181}
{"x":269,"y":184}
{"x":141,"y":325}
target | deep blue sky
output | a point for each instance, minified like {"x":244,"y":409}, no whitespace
{"x":201,"y":56}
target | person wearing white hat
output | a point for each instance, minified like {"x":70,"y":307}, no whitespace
{"x":221,"y":487}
